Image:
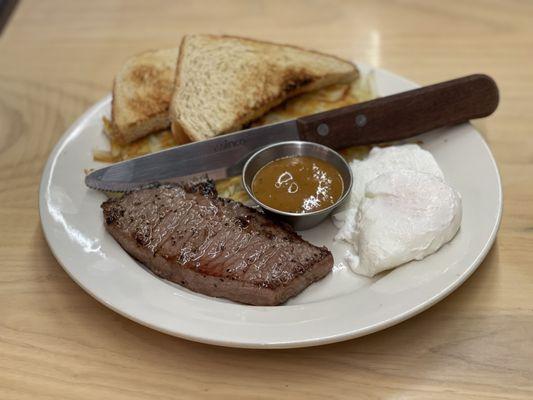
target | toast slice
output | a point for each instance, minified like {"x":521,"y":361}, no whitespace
{"x":142,"y":91}
{"x":224,"y":82}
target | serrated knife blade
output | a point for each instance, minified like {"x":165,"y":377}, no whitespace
{"x":218,"y":158}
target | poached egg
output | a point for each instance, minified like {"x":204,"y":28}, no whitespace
{"x":400,"y":209}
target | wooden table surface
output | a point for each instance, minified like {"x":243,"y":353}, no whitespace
{"x":56,"y":342}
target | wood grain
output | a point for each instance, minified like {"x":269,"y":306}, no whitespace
{"x":403,"y":115}
{"x":56,"y":342}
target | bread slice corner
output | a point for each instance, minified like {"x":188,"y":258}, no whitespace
{"x":142,"y":91}
{"x":225,"y":82}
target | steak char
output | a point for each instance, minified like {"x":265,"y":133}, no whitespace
{"x":214,"y":246}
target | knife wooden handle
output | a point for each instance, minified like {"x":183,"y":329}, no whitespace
{"x":403,"y":115}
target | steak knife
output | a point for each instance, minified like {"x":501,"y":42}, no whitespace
{"x":385,"y":119}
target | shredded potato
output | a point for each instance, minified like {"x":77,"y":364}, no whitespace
{"x":328,"y":98}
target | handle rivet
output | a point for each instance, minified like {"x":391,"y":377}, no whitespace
{"x":322,"y":129}
{"x":360,"y":120}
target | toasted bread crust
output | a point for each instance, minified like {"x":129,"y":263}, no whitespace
{"x":141,"y":95}
{"x":292,"y":80}
{"x":318,"y":53}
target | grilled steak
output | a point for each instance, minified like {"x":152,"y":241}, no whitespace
{"x":214,"y":246}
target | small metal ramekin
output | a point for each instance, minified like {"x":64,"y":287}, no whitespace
{"x":300,"y":221}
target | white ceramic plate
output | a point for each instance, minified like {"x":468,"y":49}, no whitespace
{"x":341,"y":306}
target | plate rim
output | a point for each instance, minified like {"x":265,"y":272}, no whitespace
{"x":88,"y":115}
